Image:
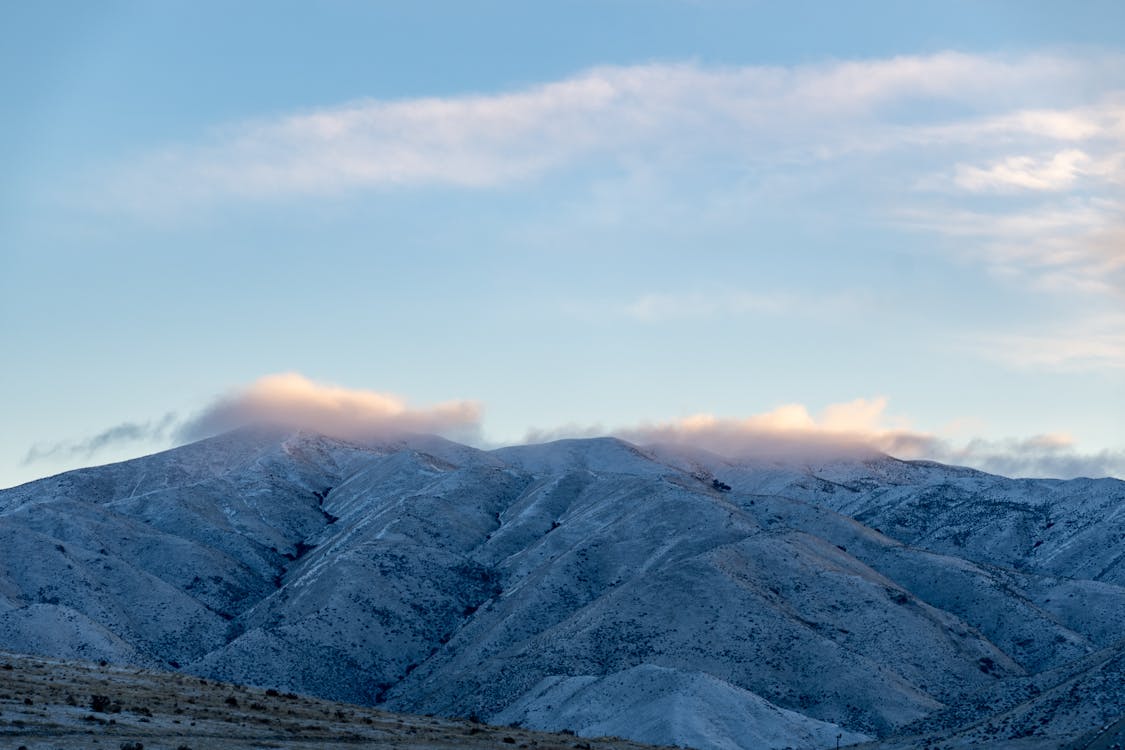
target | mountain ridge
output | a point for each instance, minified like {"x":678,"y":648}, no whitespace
{"x":428,"y":576}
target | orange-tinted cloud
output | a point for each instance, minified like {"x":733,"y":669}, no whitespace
{"x":790,"y":432}
{"x":854,"y":428}
{"x":858,"y":429}
{"x":291,"y":399}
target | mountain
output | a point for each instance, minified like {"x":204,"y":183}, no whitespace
{"x":661,"y":594}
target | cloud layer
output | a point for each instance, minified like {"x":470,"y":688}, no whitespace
{"x":856,"y":429}
{"x":1051,"y":455}
{"x":853,"y":429}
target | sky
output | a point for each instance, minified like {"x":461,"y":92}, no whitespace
{"x":734,"y":224}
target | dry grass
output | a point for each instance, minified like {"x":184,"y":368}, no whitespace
{"x":61,"y":705}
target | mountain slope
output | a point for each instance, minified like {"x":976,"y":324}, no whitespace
{"x":574,"y":584}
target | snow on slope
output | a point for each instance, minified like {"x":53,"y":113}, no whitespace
{"x":616,"y":585}
{"x":647,"y":702}
{"x":1066,"y":528}
{"x":65,"y":633}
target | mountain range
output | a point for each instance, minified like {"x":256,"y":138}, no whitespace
{"x":660,"y":593}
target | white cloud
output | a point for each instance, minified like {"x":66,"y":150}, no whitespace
{"x":1058,"y":172}
{"x":1046,"y":125}
{"x":1061,"y":227}
{"x":1046,"y":133}
{"x":645,"y":111}
{"x":1103,"y":120}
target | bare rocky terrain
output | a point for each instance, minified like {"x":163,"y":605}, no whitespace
{"x":52,"y":703}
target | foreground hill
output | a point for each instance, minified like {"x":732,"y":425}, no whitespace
{"x":669,"y":596}
{"x":59,"y":704}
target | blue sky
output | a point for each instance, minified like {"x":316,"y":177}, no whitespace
{"x":899,"y":224}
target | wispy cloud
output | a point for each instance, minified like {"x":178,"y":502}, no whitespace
{"x":1059,"y":171}
{"x":662,"y":306}
{"x":942,"y":130}
{"x":706,"y":302}
{"x":646,"y":112}
{"x":1073,"y":245}
{"x":1053,"y":171}
{"x":1060,"y":227}
{"x":113,"y":437}
{"x":1013,"y":123}
{"x":1089,"y":343}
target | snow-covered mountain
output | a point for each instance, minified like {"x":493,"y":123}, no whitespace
{"x":661,"y":594}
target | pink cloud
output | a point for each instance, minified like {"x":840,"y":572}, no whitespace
{"x":291,"y":399}
{"x":859,"y":428}
{"x":851,"y":429}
